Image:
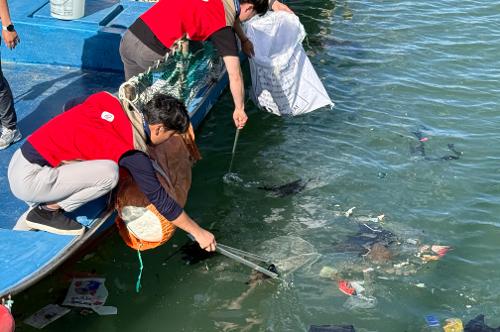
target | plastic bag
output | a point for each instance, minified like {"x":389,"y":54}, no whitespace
{"x":284,"y":81}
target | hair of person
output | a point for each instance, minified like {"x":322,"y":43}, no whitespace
{"x":168,"y":111}
{"x":260,"y":6}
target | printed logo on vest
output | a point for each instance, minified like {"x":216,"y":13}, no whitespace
{"x":107,"y":116}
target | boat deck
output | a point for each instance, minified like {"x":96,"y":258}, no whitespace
{"x":40,"y":92}
{"x":44,"y":72}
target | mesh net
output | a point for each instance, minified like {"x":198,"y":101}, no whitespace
{"x":185,"y":74}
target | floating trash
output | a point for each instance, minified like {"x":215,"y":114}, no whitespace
{"x":89,"y":293}
{"x":432,"y":321}
{"x":232,"y":178}
{"x":349,"y":212}
{"x":453,"y":325}
{"x":346,"y":288}
{"x":46,"y":315}
{"x":328,"y":272}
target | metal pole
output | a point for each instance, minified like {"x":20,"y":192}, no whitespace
{"x":246,"y":262}
{"x":234,"y":149}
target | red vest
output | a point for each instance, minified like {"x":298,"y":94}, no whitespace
{"x":96,"y":129}
{"x":170,"y":20}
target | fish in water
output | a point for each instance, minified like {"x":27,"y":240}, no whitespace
{"x":419,"y":149}
{"x":286,"y":189}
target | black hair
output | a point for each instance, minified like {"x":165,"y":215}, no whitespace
{"x":260,"y":6}
{"x":168,"y":111}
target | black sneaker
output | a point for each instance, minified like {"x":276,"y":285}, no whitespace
{"x":53,"y":222}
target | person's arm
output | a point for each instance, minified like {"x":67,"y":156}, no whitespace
{"x":277,"y":6}
{"x":10,"y":37}
{"x":142,"y":171}
{"x":224,"y":41}
{"x":246,"y":44}
{"x":237,"y":90}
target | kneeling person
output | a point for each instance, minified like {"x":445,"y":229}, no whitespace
{"x":75,"y":158}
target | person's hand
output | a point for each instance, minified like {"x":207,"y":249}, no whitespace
{"x":205,"y":239}
{"x":277,"y":6}
{"x":11,"y":38}
{"x":247,"y":47}
{"x":240,"y":118}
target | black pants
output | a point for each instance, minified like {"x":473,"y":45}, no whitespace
{"x":8,"y":117}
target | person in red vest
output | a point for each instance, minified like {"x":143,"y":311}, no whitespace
{"x":75,"y":158}
{"x":157,"y":30}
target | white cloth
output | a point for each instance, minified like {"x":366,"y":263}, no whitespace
{"x":284,"y":81}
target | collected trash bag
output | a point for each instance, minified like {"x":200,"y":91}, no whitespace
{"x":331,"y":328}
{"x":283,"y":79}
{"x":140,"y":225}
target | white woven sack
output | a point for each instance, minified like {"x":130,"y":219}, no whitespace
{"x":284,"y":81}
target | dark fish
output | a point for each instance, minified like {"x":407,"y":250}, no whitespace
{"x":419,"y":149}
{"x":478,"y":325}
{"x":287,"y":189}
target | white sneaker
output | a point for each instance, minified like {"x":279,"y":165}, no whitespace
{"x":9,"y":136}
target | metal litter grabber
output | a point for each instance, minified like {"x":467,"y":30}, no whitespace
{"x":232,"y":253}
{"x":236,"y":136}
{"x":238,"y":255}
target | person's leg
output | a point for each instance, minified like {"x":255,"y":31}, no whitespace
{"x":136,"y":56}
{"x":67,"y":187}
{"x":86,"y":181}
{"x":10,"y":134}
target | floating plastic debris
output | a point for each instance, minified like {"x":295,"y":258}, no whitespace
{"x":232,"y":178}
{"x":440,"y":250}
{"x":432,"y":321}
{"x":328,"y":272}
{"x":453,"y":325}
{"x":429,"y":253}
{"x":349,"y":212}
{"x":46,"y":315}
{"x":89,"y":293}
{"x":346,"y":288}
{"x":358,"y":286}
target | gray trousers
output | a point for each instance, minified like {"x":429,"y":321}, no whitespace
{"x":7,"y":113}
{"x":70,"y":185}
{"x":136,"y":56}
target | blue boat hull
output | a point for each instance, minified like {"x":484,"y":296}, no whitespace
{"x":41,"y":86}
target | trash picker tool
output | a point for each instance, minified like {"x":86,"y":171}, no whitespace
{"x":234,"y":254}
{"x":234,"y":149}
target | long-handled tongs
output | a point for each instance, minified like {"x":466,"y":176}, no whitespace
{"x":238,"y":255}
{"x":236,"y":136}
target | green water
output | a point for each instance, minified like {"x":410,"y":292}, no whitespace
{"x":392,"y":68}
